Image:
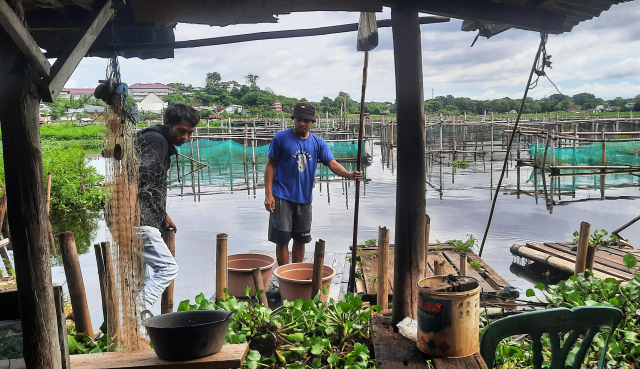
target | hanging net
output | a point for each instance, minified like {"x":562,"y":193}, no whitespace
{"x":617,"y":153}
{"x":122,"y":217}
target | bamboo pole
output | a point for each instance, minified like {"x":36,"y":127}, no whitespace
{"x":351,"y":286}
{"x":101,"y":279}
{"x":259,"y":283}
{"x":383,"y":268}
{"x":591,"y":255}
{"x":463,"y":264}
{"x":52,"y":242}
{"x":166,"y":302}
{"x":75,"y":282}
{"x":221,"y":265}
{"x":583,"y":248}
{"x":318,"y":268}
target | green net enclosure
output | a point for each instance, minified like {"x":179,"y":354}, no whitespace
{"x":593,"y":181}
{"x":230,"y":163}
{"x":617,"y":153}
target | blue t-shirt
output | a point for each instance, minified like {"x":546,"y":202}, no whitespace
{"x":297,"y":161}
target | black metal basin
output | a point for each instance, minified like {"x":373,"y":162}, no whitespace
{"x":187,"y":335}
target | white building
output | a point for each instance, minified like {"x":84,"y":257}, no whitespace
{"x":230,"y":85}
{"x":141,"y":90}
{"x":152,"y":103}
{"x":233,"y":109}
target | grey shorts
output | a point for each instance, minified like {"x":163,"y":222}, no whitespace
{"x":290,"y":220}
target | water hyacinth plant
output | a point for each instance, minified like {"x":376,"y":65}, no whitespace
{"x":299,"y":334}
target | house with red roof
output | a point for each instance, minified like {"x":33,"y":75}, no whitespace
{"x":141,"y":90}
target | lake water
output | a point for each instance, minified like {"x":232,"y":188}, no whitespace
{"x":458,"y":201}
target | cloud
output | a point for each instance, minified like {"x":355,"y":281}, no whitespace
{"x":598,"y":56}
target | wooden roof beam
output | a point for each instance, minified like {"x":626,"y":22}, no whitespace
{"x":73,"y":54}
{"x":539,"y":20}
{"x":21,"y":36}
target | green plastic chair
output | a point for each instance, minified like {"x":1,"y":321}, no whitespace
{"x":554,"y":322}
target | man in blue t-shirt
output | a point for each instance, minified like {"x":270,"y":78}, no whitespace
{"x":288,"y":178}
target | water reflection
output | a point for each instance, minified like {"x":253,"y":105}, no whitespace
{"x":83,"y":224}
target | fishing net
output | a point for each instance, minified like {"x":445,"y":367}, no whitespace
{"x":617,"y":153}
{"x":589,"y":181}
{"x":122,"y":215}
{"x":230,"y":163}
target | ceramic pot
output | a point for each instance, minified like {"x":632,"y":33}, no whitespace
{"x":240,"y":267}
{"x":295,"y":280}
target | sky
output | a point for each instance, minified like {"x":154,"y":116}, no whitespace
{"x":599,"y":56}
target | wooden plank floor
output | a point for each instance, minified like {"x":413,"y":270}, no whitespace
{"x":608,"y":260}
{"x":394,"y":351}
{"x":338,"y":261}
{"x":490,"y":280}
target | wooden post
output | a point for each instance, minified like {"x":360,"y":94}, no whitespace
{"x":427,"y":228}
{"x":575,"y":135}
{"x":382,"y":287}
{"x":19,"y":111}
{"x":101,"y":280}
{"x":410,"y":195}
{"x":166,"y":302}
{"x":591,"y":254}
{"x":221,"y":265}
{"x":259,"y":283}
{"x":438,"y":267}
{"x":491,"y":142}
{"x":62,"y":327}
{"x":52,"y":241}
{"x":75,"y":282}
{"x":318,"y":267}
{"x":111,"y":293}
{"x":583,"y":248}
{"x":463,"y":264}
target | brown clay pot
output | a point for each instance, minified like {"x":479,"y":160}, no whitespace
{"x":295,"y":280}
{"x":240,"y":267}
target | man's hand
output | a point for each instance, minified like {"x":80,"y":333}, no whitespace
{"x":171,"y":224}
{"x":270,"y":203}
{"x":356,"y":176}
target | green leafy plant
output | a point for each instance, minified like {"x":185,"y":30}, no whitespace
{"x":300,"y":334}
{"x":371,"y":242}
{"x":598,"y":238}
{"x":586,"y":290}
{"x":461,"y":164}
{"x":463,"y":247}
{"x":476,"y":265}
{"x":81,"y":343}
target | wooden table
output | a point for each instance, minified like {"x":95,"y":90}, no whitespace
{"x":230,"y":356}
{"x":394,"y":351}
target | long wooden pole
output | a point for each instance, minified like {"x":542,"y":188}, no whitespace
{"x":166,"y":302}
{"x":52,"y":241}
{"x":427,"y":229}
{"x":411,"y":176}
{"x":543,"y":39}
{"x":351,"y":287}
{"x":221,"y":265}
{"x":19,"y":106}
{"x":75,"y":282}
{"x":383,"y":268}
{"x":318,"y":268}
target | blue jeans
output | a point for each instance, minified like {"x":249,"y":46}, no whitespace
{"x":159,"y":258}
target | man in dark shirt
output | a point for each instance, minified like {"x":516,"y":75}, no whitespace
{"x":155,"y":146}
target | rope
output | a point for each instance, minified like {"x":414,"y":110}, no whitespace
{"x":543,"y":41}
